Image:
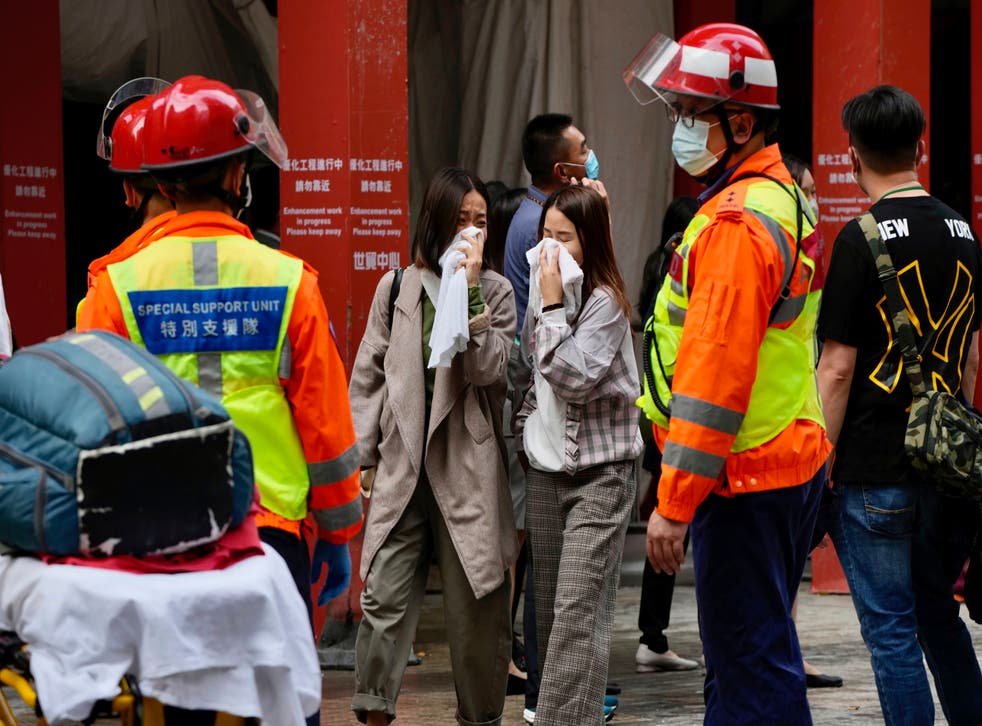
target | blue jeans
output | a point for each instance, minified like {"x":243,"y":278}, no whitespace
{"x":944,"y":537}
{"x":888,"y":538}
{"x":748,"y":552}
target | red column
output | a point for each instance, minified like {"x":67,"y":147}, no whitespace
{"x":858,"y":44}
{"x":32,"y":226}
{"x":344,"y":113}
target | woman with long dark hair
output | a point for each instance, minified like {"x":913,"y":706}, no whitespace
{"x":580,"y":494}
{"x":432,"y":439}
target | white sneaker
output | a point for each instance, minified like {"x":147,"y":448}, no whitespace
{"x":648,"y":661}
{"x":529,"y":715}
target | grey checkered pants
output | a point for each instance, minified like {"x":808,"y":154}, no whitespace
{"x":577,"y":526}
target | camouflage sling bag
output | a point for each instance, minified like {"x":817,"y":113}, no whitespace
{"x":944,"y":436}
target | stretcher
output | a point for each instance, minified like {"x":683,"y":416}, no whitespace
{"x":129,"y":708}
{"x":231,"y":647}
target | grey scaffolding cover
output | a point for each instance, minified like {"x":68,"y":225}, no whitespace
{"x":104,"y":43}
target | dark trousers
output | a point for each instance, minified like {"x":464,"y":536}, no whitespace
{"x":749,"y":552}
{"x":529,"y":633}
{"x":655,"y":610}
{"x":294,"y":552}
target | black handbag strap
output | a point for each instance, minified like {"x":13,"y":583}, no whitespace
{"x":895,"y":303}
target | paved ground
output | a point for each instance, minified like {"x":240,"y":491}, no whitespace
{"x":829,"y":634}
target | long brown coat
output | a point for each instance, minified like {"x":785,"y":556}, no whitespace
{"x":464,"y":451}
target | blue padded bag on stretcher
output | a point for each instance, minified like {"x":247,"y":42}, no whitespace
{"x":104,"y":450}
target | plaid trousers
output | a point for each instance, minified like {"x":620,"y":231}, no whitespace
{"x":577,"y":526}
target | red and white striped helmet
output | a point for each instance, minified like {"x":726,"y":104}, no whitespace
{"x":719,"y":61}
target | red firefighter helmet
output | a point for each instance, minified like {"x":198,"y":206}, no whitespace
{"x":120,"y":139}
{"x":198,"y":120}
{"x":719,"y":62}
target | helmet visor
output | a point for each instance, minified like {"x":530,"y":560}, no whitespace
{"x":128,"y":93}
{"x":259,"y":129}
{"x":649,"y":66}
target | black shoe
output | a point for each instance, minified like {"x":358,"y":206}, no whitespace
{"x":822,"y":680}
{"x":612,"y":688}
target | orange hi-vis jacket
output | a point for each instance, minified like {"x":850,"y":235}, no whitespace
{"x":313,"y":379}
{"x":129,"y":246}
{"x":735,"y":276}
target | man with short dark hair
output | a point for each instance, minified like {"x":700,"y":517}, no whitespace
{"x":556,"y":154}
{"x":902,"y":544}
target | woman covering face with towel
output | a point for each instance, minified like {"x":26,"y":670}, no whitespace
{"x":432,"y":437}
{"x":578,"y":426}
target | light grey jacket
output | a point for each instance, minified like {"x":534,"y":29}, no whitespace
{"x":463,"y":450}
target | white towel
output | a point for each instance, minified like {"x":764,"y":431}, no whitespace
{"x":571,"y":273}
{"x":544,"y":438}
{"x":451,"y":331}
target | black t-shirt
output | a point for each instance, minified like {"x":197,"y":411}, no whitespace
{"x":939,"y":266}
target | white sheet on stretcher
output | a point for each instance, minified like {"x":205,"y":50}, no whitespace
{"x":235,"y":640}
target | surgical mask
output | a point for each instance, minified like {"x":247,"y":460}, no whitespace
{"x":245,"y":196}
{"x":814,"y":203}
{"x":689,"y":147}
{"x":592,"y":166}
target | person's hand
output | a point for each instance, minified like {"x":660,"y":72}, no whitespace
{"x":664,"y":543}
{"x":597,"y":186}
{"x":338,"y":561}
{"x":474,"y":259}
{"x":550,"y":279}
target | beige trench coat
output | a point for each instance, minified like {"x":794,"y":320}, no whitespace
{"x":464,"y":450}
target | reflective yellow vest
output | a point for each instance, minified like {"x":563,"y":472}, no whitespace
{"x":215,"y":311}
{"x":784,"y":389}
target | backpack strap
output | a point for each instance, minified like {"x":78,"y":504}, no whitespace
{"x":394,"y":293}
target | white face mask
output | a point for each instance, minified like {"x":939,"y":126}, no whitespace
{"x":689,"y":147}
{"x":814,"y":203}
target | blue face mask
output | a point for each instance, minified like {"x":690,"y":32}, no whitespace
{"x":592,"y":166}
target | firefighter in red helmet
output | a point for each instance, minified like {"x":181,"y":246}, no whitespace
{"x":120,"y":142}
{"x":734,"y":400}
{"x":241,"y":320}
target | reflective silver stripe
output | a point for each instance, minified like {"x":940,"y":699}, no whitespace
{"x":338,"y":518}
{"x":677,"y":288}
{"x":286,"y":359}
{"x":780,"y":239}
{"x":125,"y":366}
{"x":789,"y":309}
{"x":205,"y":262}
{"x":704,"y":413}
{"x":337,"y":469}
{"x":210,"y":373}
{"x":693,"y":461}
{"x":676,"y":315}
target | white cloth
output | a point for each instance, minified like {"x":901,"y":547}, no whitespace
{"x":451,"y":331}
{"x":235,"y":640}
{"x":6,"y":341}
{"x":544,"y":437}
{"x":568,"y":269}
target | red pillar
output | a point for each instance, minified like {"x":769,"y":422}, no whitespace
{"x":32,"y":226}
{"x":344,"y":113}
{"x":859,"y":44}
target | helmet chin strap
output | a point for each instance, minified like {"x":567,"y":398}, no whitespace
{"x":719,"y":168}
